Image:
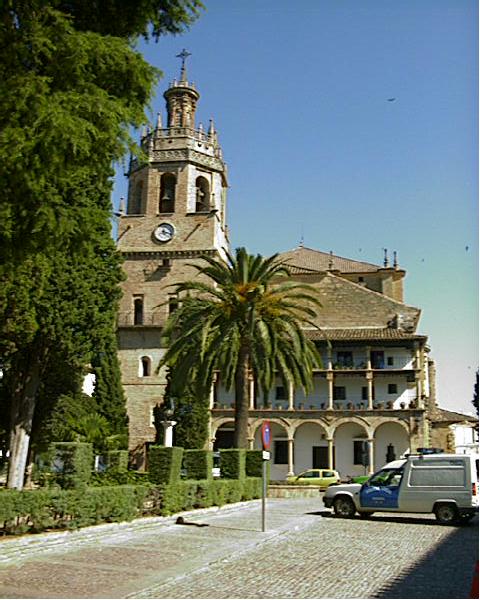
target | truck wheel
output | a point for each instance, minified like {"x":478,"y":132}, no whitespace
{"x":446,"y":514}
{"x":343,"y":507}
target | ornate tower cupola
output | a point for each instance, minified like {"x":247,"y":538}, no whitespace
{"x":181,"y":98}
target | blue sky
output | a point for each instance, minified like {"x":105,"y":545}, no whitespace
{"x":299,"y":95}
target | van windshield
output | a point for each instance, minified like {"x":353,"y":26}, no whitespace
{"x":386,"y":477}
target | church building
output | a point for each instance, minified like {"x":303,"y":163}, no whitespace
{"x":375,"y":391}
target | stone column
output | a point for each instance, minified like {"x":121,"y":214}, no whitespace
{"x":168,"y":433}
{"x":330,"y":453}
{"x":291,"y":396}
{"x":251,"y":391}
{"x":212,"y":391}
{"x":371,"y":455}
{"x":370,"y":390}
{"x":330,"y":390}
{"x":251,"y":442}
{"x":290,"y":458}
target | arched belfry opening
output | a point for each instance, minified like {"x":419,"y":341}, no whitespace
{"x":167,"y":193}
{"x":202,"y":195}
{"x":135,"y":202}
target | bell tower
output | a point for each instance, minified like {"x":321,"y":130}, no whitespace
{"x":175,"y":213}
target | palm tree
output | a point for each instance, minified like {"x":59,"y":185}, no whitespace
{"x":244,"y":318}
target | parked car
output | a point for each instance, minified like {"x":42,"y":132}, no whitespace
{"x":358,"y":479}
{"x":321,"y":477}
{"x":443,"y":484}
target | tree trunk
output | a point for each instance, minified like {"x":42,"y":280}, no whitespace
{"x":242,"y":399}
{"x":26,"y":381}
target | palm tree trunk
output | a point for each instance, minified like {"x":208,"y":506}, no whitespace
{"x":240,"y":437}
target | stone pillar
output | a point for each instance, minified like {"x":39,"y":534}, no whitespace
{"x":369,"y":359}
{"x":251,"y":443}
{"x":371,"y":455}
{"x":212,"y":391}
{"x":168,"y":433}
{"x":251,"y":391}
{"x":370,"y":390}
{"x":329,"y":358}
{"x":290,"y":458}
{"x":330,"y":390}
{"x":291,"y":396}
{"x":330,"y":453}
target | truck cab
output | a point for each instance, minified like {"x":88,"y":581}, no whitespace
{"x":443,"y":484}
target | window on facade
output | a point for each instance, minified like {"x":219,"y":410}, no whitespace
{"x":345,"y":359}
{"x":365,"y":392}
{"x":145,"y":366}
{"x":280,"y":393}
{"x":167,"y":193}
{"x":280,"y":452}
{"x":202,"y":195}
{"x":390,"y":361}
{"x":361,"y":279}
{"x":135,"y":203}
{"x":138,"y":311}
{"x":339,"y":392}
{"x":173,"y":304}
{"x":377,"y":358}
{"x":392,"y":388}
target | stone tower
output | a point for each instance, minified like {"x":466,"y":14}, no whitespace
{"x":175,"y":213}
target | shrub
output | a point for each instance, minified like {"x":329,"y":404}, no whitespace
{"x":72,"y":463}
{"x":117,"y":460}
{"x":198,"y":464}
{"x":164,"y":464}
{"x":233,"y":463}
{"x":36,"y":510}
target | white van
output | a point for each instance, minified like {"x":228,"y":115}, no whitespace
{"x":443,"y":484}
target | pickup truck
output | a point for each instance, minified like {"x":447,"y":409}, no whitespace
{"x":443,"y":484}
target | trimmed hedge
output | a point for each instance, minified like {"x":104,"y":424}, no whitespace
{"x":117,"y":460}
{"x":190,"y":494}
{"x":37,"y":510}
{"x":198,"y":463}
{"x":232,"y":463}
{"x":164,"y":464}
{"x":77,"y":463}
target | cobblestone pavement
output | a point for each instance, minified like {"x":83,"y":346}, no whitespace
{"x":222,"y":553}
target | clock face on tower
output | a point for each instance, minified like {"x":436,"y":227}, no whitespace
{"x":163,"y":232}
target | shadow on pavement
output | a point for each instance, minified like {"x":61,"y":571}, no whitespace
{"x":447,"y":571}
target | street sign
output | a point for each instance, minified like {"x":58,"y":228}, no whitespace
{"x":266,"y":437}
{"x":266,"y":455}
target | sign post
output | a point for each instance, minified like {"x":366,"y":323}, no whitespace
{"x":266,"y":438}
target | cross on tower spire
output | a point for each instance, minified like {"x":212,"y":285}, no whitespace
{"x":183,"y":55}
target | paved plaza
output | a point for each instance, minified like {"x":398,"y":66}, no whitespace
{"x":305,"y":552}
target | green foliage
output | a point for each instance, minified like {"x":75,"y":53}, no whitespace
{"x":72,"y":86}
{"x":246,"y":317}
{"x":233,"y":463}
{"x":198,"y":463}
{"x":189,"y":410}
{"x":77,"y":463}
{"x":164,"y":464}
{"x":37,"y":510}
{"x":108,"y":394}
{"x":253,"y":463}
{"x":117,"y":460}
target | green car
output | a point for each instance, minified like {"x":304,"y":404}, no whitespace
{"x":321,"y":477}
{"x":359,"y":479}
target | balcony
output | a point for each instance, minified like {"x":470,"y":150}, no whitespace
{"x":147,"y":319}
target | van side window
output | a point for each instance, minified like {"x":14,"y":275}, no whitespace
{"x":438,"y":474}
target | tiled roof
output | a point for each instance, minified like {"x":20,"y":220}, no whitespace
{"x":307,"y":260}
{"x":348,"y":306}
{"x":441,"y":415}
{"x":374,"y":333}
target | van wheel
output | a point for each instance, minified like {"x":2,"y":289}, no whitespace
{"x":446,"y":514}
{"x":343,"y":507}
